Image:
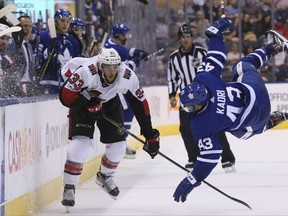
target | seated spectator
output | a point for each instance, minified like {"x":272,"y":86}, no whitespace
{"x":233,"y":55}
{"x":92,"y":25}
{"x":201,"y":23}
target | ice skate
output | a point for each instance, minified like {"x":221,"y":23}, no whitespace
{"x":229,"y":167}
{"x":107,"y":184}
{"x":68,"y":199}
{"x":279,"y":42}
{"x":130,"y":153}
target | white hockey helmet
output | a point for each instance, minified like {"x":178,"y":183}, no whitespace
{"x":109,"y":56}
{"x":4,"y":27}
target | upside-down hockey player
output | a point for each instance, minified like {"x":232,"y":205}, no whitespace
{"x":241,"y":107}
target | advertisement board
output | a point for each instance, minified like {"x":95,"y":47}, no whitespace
{"x":42,"y":9}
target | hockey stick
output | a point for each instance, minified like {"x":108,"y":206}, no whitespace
{"x":7,"y":10}
{"x":53,"y":35}
{"x":104,"y":39}
{"x":93,"y":44}
{"x":123,"y":129}
{"x":159,"y":51}
{"x":17,"y":35}
{"x":222,"y":8}
{"x":10,"y":30}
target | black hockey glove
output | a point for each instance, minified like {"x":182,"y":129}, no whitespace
{"x":219,"y":27}
{"x":152,"y":143}
{"x":95,"y":107}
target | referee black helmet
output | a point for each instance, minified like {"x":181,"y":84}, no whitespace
{"x":185,"y":29}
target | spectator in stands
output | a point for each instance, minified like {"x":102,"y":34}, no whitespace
{"x":181,"y":17}
{"x":265,"y":25}
{"x":280,"y":25}
{"x":106,"y":18}
{"x":95,"y":5}
{"x":233,"y":55}
{"x":190,"y":9}
{"x":92,"y":25}
{"x":9,"y":76}
{"x":201,"y":23}
{"x":253,"y":9}
{"x":197,"y":39}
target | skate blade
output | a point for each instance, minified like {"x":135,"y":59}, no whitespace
{"x":68,"y":208}
{"x":129,"y":156}
{"x":102,"y":187}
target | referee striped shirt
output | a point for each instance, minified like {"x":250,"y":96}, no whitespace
{"x":182,"y":68}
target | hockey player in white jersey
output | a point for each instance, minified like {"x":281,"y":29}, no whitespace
{"x":90,"y":90}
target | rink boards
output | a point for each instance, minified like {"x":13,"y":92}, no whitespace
{"x":34,"y":140}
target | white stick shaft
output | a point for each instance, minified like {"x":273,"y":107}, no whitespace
{"x":7,"y":9}
{"x":222,"y":8}
{"x":104,"y":39}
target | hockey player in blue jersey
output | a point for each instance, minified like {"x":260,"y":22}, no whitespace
{"x":131,"y":56}
{"x":67,"y":47}
{"x":241,"y":107}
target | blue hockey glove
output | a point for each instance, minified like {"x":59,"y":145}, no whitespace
{"x":138,"y":54}
{"x":152,"y":143}
{"x":220,"y":27}
{"x":133,"y":64}
{"x":185,"y":187}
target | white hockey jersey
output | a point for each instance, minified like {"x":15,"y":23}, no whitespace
{"x":84,"y":74}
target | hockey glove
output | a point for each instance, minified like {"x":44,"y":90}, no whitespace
{"x":185,"y":187}
{"x":219,"y":27}
{"x":138,"y":54}
{"x":133,"y":64}
{"x":152,"y":143}
{"x":95,"y":107}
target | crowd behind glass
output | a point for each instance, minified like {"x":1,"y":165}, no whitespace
{"x":19,"y":67}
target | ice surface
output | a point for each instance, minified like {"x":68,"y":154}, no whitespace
{"x":146,"y":185}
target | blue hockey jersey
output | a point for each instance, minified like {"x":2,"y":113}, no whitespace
{"x":67,"y":47}
{"x":241,"y":108}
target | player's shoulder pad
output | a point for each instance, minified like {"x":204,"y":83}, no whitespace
{"x":127,"y":73}
{"x":91,"y":64}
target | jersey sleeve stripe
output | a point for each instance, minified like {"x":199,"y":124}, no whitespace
{"x":217,"y":53}
{"x":207,"y":160}
{"x":216,"y":61}
{"x":211,"y":152}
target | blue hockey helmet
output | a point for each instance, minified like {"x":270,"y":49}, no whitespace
{"x":120,"y":28}
{"x":77,"y":23}
{"x":61,"y":13}
{"x":192,"y":95}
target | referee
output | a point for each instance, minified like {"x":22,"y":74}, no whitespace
{"x":182,"y":68}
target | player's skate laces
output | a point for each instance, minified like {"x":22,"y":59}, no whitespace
{"x":229,"y":167}
{"x":107,"y":184}
{"x":68,"y":195}
{"x":279,"y":42}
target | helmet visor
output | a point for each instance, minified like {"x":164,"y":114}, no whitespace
{"x":191,"y":109}
{"x":127,"y":35}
